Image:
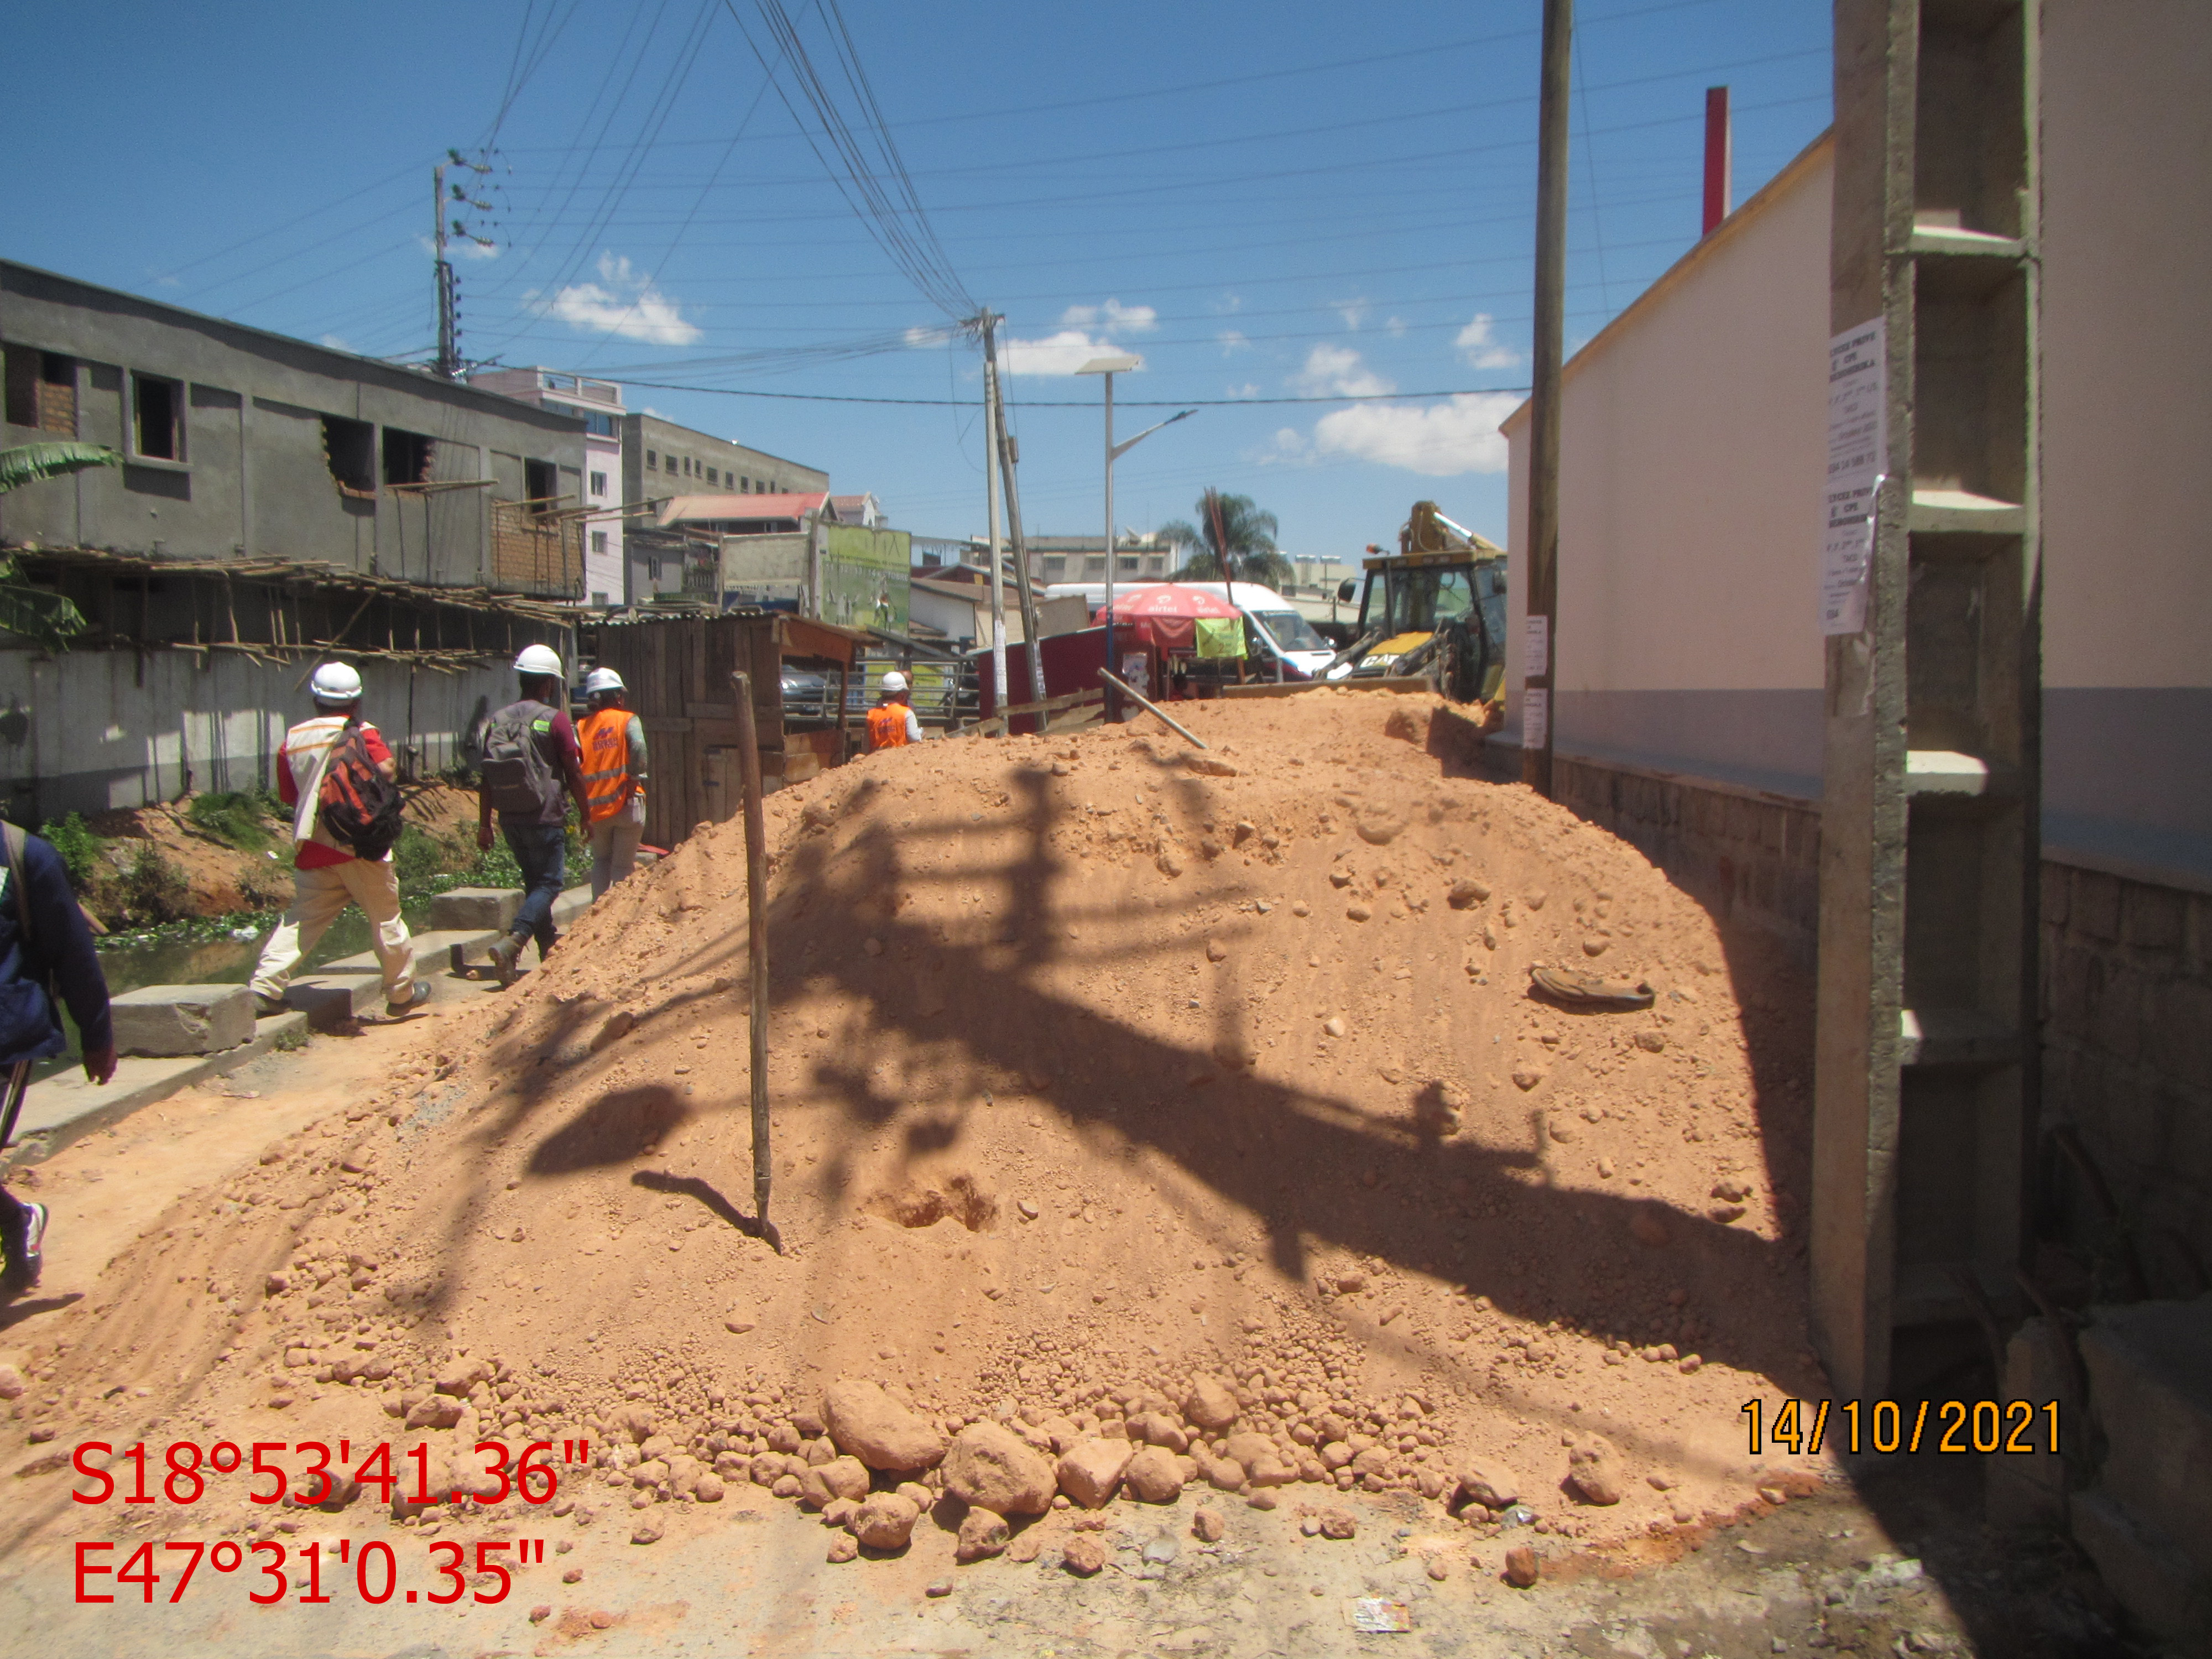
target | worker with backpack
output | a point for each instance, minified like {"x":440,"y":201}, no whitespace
{"x":45,"y":947}
{"x":339,"y":776}
{"x":532,"y":768}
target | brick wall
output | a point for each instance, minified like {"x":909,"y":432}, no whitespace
{"x":1745,"y":855}
{"x":2126,"y":998}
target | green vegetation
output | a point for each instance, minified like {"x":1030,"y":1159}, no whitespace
{"x":152,"y":887}
{"x":29,"y":610}
{"x":236,"y":817}
{"x":78,"y":846}
{"x":1234,"y":540}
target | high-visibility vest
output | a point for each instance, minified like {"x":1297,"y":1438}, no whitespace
{"x":887,"y":725}
{"x":604,"y":735}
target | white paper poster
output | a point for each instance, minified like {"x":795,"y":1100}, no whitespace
{"x":1536,"y":646}
{"x":1858,"y":444}
{"x":1535,"y":716}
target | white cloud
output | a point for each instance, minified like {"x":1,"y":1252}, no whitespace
{"x":1396,"y":325}
{"x":1062,"y":353}
{"x":1354,"y":312}
{"x":337,"y":342}
{"x":1112,"y":317}
{"x":1233,"y":341}
{"x":1232,"y":303}
{"x":459,"y":247}
{"x":1247,"y":390}
{"x":622,"y":302}
{"x":1480,"y":349}
{"x":1336,"y":371}
{"x":1438,"y":440}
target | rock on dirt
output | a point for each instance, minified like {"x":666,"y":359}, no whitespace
{"x":885,"y":1521}
{"x":1085,"y":1555}
{"x":1522,"y":1569}
{"x":1154,"y":1476}
{"x":991,"y":1467}
{"x":1208,"y":1526}
{"x":982,"y":1535}
{"x":1091,"y":1471}
{"x":1489,"y":1482}
{"x":1597,"y":1472}
{"x":824,"y":1483}
{"x":1210,"y":1403}
{"x":867,"y":1423}
{"x":1338,"y":1524}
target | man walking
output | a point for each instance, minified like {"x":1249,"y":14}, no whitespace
{"x":613,"y":743}
{"x":44,"y":943}
{"x":892,"y":723}
{"x":325,"y":876}
{"x":532,"y":770}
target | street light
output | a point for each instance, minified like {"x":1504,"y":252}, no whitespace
{"x":1120,"y":363}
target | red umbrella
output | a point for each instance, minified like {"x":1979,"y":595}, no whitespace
{"x":1168,"y":599}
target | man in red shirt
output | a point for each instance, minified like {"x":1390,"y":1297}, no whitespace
{"x":326,"y":878}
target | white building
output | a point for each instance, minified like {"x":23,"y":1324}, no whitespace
{"x":599,"y":403}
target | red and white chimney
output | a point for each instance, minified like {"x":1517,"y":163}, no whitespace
{"x":1720,"y":159}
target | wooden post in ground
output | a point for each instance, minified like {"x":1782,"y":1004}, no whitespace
{"x":757,"y":940}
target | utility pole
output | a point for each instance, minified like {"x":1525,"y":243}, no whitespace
{"x":1539,"y":661}
{"x":998,"y":565}
{"x":1008,"y":456}
{"x":448,"y":364}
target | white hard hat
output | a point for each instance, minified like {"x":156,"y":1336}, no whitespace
{"x":334,"y":682}
{"x":894,"y":681}
{"x":538,"y":660}
{"x":603,"y":679}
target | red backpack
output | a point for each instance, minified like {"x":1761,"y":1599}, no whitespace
{"x":358,"y":805}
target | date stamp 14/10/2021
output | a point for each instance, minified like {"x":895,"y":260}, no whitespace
{"x":1805,"y":1427}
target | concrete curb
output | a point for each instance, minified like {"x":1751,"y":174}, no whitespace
{"x":64,"y":1109}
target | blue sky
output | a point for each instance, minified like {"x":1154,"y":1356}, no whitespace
{"x":1291,"y":199}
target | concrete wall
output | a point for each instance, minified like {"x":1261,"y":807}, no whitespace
{"x":254,"y":478}
{"x":2127,"y":489}
{"x":1692,"y":460}
{"x":742,"y":471}
{"x":89,"y":730}
{"x":1692,"y":449}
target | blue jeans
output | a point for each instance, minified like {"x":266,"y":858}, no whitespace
{"x":542,"y":850}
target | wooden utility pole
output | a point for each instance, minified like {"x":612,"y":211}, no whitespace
{"x":1002,"y":697}
{"x":756,"y":938}
{"x":1003,"y":444}
{"x":1539,"y":659}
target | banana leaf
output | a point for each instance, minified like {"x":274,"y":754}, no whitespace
{"x":32,"y":462}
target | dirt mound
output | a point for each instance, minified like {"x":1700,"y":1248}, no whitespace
{"x":1099,"y":1066}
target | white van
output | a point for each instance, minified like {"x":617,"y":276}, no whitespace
{"x":1275,"y":626}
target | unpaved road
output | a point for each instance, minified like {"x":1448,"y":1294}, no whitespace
{"x":1898,"y":1563}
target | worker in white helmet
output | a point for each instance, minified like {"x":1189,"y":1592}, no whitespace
{"x":613,"y":741}
{"x":531,"y":770}
{"x":327,"y":874}
{"x":892,"y":723}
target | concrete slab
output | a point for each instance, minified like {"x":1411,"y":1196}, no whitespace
{"x":479,"y":909}
{"x":2150,"y":1380}
{"x":159,"y":1021}
{"x":66,"y":1107}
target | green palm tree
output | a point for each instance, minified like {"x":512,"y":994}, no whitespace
{"x":1234,"y":541}
{"x":46,"y":618}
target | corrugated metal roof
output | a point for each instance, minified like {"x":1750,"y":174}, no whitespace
{"x":680,"y":509}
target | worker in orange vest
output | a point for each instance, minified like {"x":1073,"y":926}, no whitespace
{"x":613,"y":742}
{"x":891,"y":723}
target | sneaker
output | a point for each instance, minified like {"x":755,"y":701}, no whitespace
{"x":418,"y":994}
{"x":266,"y":1006}
{"x":502,"y":954}
{"x":25,"y":1252}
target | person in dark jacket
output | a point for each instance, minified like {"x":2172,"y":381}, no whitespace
{"x":59,"y":955}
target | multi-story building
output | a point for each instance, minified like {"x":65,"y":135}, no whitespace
{"x":661,"y":459}
{"x":1146,"y":557}
{"x":598,"y":403}
{"x":274,"y":502}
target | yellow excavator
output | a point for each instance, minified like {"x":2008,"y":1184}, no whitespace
{"x":1435,"y":608}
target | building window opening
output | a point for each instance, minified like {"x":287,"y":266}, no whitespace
{"x":350,"y":450}
{"x":406,"y":457}
{"x":712,"y":476}
{"x":1094,"y":565}
{"x":599,"y":483}
{"x":1125,"y":564}
{"x":156,"y":429}
{"x":652,"y":461}
{"x":598,"y":541}
{"x":541,"y":482}
{"x":42,"y":390}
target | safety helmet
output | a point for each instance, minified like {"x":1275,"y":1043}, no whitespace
{"x":539,"y":659}
{"x":894,"y":681}
{"x":603,"y":679}
{"x":334,"y":682}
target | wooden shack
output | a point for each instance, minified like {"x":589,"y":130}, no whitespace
{"x":677,"y":671}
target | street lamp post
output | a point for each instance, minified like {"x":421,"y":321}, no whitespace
{"x":1109,"y":367}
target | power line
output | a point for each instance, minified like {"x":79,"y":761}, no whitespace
{"x":1089,"y":403}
